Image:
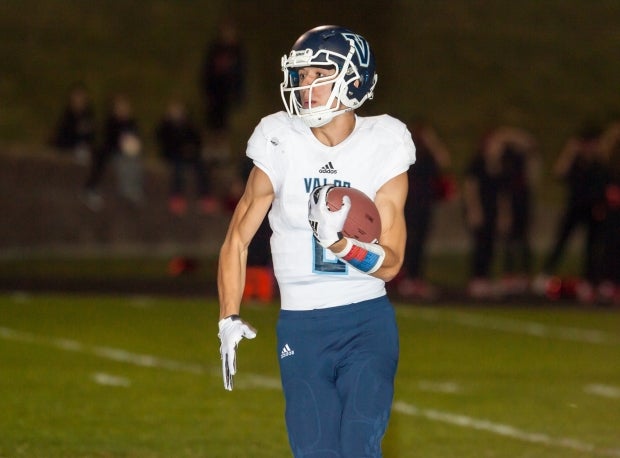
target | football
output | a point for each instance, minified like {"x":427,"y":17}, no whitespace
{"x":363,"y":222}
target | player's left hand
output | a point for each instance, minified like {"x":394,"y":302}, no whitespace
{"x":231,"y":330}
{"x":326,"y":224}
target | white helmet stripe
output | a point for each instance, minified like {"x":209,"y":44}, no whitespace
{"x":361,"y":47}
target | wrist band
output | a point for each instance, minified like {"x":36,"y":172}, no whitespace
{"x":365,"y":257}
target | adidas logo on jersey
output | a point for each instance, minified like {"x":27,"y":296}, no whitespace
{"x":286,"y":351}
{"x":328,"y":168}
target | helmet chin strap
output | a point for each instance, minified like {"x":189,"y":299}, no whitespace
{"x":319,"y":116}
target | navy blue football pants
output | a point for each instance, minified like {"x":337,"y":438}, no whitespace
{"x":337,"y":367}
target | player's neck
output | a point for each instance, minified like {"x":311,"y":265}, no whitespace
{"x":337,"y":130}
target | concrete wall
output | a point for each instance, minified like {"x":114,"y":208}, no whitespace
{"x":42,"y":212}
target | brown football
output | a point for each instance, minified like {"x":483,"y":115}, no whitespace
{"x":363,"y":222}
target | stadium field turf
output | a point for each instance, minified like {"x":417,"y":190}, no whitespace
{"x":138,"y":376}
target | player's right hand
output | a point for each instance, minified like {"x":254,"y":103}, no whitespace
{"x":231,"y":330}
{"x":326,"y":224}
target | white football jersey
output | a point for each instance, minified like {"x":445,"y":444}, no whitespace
{"x":310,"y":276}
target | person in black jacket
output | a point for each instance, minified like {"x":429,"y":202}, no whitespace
{"x":481,"y":193}
{"x":425,"y":191}
{"x":609,"y":288}
{"x":75,"y":129}
{"x":582,"y":168}
{"x":123,"y":144}
{"x":180,"y":145}
{"x":222,"y":77}
{"x":518,"y":150}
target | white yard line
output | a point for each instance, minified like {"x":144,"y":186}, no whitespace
{"x":248,"y":380}
{"x":114,"y":354}
{"x":439,"y":387}
{"x":502,"y":430}
{"x":531,"y":328}
{"x":606,"y":391}
{"x":111,"y":380}
{"x":261,"y":381}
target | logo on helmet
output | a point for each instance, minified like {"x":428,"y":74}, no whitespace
{"x":361,"y":48}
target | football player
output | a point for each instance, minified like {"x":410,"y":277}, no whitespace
{"x":337,"y":336}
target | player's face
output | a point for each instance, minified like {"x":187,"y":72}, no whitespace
{"x":317,"y":80}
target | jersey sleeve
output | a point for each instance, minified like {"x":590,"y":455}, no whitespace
{"x":400,"y":154}
{"x":267,"y":145}
{"x":260,"y":149}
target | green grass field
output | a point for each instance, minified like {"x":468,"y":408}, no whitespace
{"x":106,"y":376}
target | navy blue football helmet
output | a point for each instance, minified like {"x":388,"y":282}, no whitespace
{"x":335,"y":47}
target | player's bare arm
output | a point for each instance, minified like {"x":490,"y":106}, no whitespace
{"x":390,"y":200}
{"x":247,"y":217}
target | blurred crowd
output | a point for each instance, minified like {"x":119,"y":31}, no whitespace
{"x":497,"y":189}
{"x":497,"y":195}
{"x":179,"y":138}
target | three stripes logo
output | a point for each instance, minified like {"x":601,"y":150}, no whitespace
{"x":286,"y":351}
{"x":328,"y":168}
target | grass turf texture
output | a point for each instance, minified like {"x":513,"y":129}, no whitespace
{"x":90,"y":376}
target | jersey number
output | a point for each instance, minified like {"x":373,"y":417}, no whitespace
{"x":326,"y":262}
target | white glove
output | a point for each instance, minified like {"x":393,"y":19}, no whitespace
{"x":326,"y":224}
{"x":232,"y":330}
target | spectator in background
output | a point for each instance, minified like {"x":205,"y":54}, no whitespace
{"x":75,"y":129}
{"x":121,"y":143}
{"x":609,"y":288}
{"x":582,"y":167}
{"x":428,"y":184}
{"x":222,"y":78}
{"x":481,"y":194}
{"x":180,"y":145}
{"x":518,"y":151}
